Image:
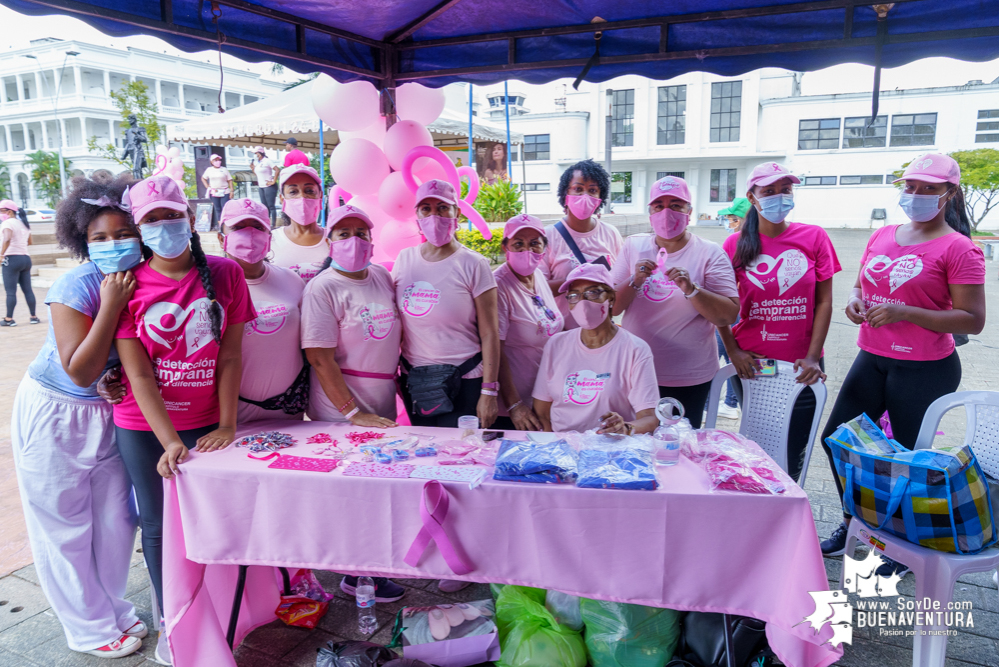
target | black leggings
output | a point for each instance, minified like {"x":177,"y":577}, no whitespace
{"x":141,"y":451}
{"x":692,"y":398}
{"x":218,"y":203}
{"x":268,"y":195}
{"x":904,"y":388}
{"x":17,"y":271}
{"x":464,"y":404}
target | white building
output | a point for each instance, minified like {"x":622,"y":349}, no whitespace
{"x":36,"y":111}
{"x":713,"y":130}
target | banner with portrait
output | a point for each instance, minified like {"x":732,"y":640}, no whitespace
{"x":491,"y":161}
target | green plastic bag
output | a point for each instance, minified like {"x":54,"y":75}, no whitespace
{"x":529,"y":634}
{"x":629,"y":635}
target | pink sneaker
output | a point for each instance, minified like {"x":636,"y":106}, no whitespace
{"x":119,"y":648}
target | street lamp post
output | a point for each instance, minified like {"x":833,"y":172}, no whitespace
{"x":62,"y":165}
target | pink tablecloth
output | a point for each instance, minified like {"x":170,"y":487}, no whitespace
{"x":681,"y":547}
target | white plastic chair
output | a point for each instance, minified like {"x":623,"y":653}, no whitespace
{"x":766,"y":411}
{"x":937,"y":572}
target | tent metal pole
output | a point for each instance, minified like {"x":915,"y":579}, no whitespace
{"x":509,"y":158}
{"x":471,"y":146}
{"x":322,"y":178}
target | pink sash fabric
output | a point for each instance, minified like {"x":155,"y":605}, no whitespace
{"x":436,"y":496}
{"x":365,"y":374}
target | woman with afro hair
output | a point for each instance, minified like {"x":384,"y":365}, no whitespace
{"x":74,"y":488}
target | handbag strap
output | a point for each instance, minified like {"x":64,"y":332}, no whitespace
{"x":569,"y":241}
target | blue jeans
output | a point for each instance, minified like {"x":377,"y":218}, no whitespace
{"x":730,"y":398}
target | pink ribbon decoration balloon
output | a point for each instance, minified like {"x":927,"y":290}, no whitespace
{"x":336,"y":194}
{"x":473,"y":183}
{"x":464,"y":205}
{"x":160,"y":164}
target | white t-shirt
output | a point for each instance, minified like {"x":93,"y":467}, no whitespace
{"x":265,"y":171}
{"x":602,"y":241}
{"x":19,"y":235}
{"x":272,"y":356}
{"x":218,"y":181}
{"x":305,"y":260}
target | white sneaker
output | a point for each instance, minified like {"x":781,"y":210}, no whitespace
{"x":726,"y":412}
{"x":119,"y":648}
{"x":162,"y":655}
{"x":138,"y":630}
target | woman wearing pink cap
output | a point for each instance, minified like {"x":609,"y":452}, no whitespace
{"x":580,"y":237}
{"x":15,"y":237}
{"x":447,"y":300}
{"x":784,"y":271}
{"x":528,"y":317}
{"x":919,"y":284}
{"x":300,"y":244}
{"x":674,"y":288}
{"x":179,"y":339}
{"x":218,"y":183}
{"x":275,"y":382}
{"x":599,"y":376}
{"x":350,"y":329}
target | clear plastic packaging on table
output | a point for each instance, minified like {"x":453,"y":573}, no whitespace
{"x":612,"y":461}
{"x":540,"y":462}
{"x":734,"y":463}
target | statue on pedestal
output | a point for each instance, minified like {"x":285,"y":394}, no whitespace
{"x":135,"y":136}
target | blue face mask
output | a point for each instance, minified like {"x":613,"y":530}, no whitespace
{"x":919,"y":208}
{"x":114,"y":256}
{"x":775,"y":207}
{"x":167,"y":239}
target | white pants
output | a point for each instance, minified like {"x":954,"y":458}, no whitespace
{"x":78,"y":507}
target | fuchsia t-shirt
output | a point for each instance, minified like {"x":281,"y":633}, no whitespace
{"x":437,"y":304}
{"x":583,"y":384}
{"x":682,"y":340}
{"x":526,"y":321}
{"x":915,"y":275}
{"x":602,"y":241}
{"x":777,"y":291}
{"x":360,"y":319}
{"x":170,"y":319}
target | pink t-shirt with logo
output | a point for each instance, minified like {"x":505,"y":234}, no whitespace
{"x":915,"y":275}
{"x":305,"y":260}
{"x":682,"y":340}
{"x":526,"y":321}
{"x":360,"y":319}
{"x":602,"y":241}
{"x":170,"y":319}
{"x":272,"y":357}
{"x":437,"y":303}
{"x":777,"y":291}
{"x":584,"y":384}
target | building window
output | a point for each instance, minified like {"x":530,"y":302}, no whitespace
{"x":913,"y":129}
{"x":621,"y":187}
{"x":726,"y":111}
{"x":664,"y":174}
{"x":860,"y":180}
{"x":988,"y":126}
{"x":672,"y":119}
{"x":536,"y":187}
{"x":856,"y":133}
{"x":819,"y":180}
{"x":623,"y":118}
{"x":815,"y":134}
{"x":536,"y":146}
{"x":722,"y":184}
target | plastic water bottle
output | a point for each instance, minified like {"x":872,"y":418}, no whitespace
{"x":667,"y":435}
{"x":364,"y":593}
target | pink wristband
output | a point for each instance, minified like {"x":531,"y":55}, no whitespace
{"x":352,"y":412}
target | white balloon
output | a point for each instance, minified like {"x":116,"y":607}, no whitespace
{"x":173,"y":152}
{"x":161,"y":149}
{"x":345,"y":106}
{"x":375,"y":133}
{"x":417,"y":102}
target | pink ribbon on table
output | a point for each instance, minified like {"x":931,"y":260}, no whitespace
{"x":272,"y":455}
{"x":436,"y":496}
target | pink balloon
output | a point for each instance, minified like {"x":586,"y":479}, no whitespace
{"x":403,"y":137}
{"x":345,"y":106}
{"x":476,"y":219}
{"x":473,"y":183}
{"x":417,"y":102}
{"x":426,"y":169}
{"x":395,"y":198}
{"x":336,"y":194}
{"x":375,"y":133}
{"x":396,"y":235}
{"x":359,"y":166}
{"x":436,"y":154}
{"x":369,"y":204}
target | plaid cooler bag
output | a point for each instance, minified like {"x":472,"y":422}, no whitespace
{"x":936,"y":498}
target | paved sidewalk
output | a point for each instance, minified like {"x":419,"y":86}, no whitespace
{"x":31,"y":636}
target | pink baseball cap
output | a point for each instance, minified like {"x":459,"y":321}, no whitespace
{"x":214,"y":157}
{"x":932,"y":168}
{"x":156,"y":192}
{"x":522,"y":221}
{"x":597,"y":273}
{"x":259,"y":149}
{"x":9,"y":205}
{"x":767,"y":173}
{"x":236,"y":210}
{"x":347,"y":211}
{"x":672,"y":186}
{"x":437,"y":189}
{"x":293,"y":169}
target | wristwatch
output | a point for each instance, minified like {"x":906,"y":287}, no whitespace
{"x":697,"y":288}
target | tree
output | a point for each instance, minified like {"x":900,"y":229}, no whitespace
{"x":190,"y":182}
{"x":44,"y":167}
{"x":6,"y":187}
{"x":299,"y":82}
{"x":979,"y":181}
{"x":132,"y":98}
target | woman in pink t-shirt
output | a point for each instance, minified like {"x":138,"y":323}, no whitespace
{"x":299,"y":243}
{"x":447,"y":300}
{"x":528,"y":318}
{"x":599,"y":376}
{"x":179,"y":339}
{"x":919,"y":284}
{"x":674,"y":288}
{"x":784,"y":271}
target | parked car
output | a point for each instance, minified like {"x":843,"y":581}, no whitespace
{"x":40,"y":215}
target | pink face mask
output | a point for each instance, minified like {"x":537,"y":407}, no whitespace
{"x":589,"y":314}
{"x":582,"y":206}
{"x":668,"y":223}
{"x":439,"y":231}
{"x":302,"y":211}
{"x":351,"y":254}
{"x":524,"y":263}
{"x":248,"y":244}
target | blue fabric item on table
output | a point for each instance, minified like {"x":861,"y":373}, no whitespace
{"x":629,"y":468}
{"x":527,"y":461}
